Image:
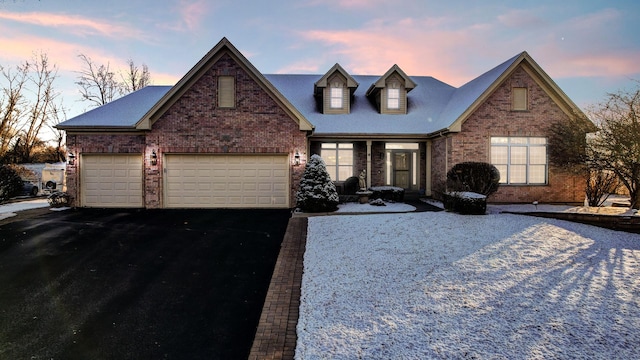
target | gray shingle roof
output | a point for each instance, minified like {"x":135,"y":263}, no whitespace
{"x":432,"y":106}
{"x":124,"y":112}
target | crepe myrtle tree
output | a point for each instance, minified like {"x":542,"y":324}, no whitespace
{"x":570,"y":150}
{"x":615,"y":147}
{"x":317,"y":192}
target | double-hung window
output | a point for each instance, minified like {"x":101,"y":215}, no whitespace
{"x":336,"y":101}
{"x":339,"y":160}
{"x":520,"y":160}
{"x":393,"y":98}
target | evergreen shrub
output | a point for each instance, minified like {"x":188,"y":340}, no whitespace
{"x":317,"y":192}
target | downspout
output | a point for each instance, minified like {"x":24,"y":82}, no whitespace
{"x":368,"y":164}
{"x":427,"y":190}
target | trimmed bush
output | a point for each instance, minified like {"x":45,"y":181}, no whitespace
{"x":478,"y":177}
{"x":466,"y":203}
{"x":10,"y":183}
{"x":389,"y":193}
{"x":317,"y":192}
{"x":351,"y":185}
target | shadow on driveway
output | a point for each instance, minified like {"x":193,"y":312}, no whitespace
{"x":124,"y":284}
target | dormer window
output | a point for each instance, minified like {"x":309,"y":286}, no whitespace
{"x":389,"y":92}
{"x":393,"y":97}
{"x":337,"y":96}
{"x":334,"y":90}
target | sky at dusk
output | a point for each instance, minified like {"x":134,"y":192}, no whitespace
{"x":588,"y":47}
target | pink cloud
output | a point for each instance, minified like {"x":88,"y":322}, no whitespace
{"x":594,"y":64}
{"x":190,"y":16}
{"x":347,"y":4}
{"x":456,"y":53}
{"x":76,"y":24}
{"x":418,"y":46}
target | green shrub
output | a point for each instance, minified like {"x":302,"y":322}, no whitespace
{"x":389,"y":193}
{"x":10,"y":183}
{"x":317,"y":192}
{"x":466,"y":203}
{"x":478,"y":177}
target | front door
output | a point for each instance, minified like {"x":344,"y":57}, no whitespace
{"x":402,"y":169}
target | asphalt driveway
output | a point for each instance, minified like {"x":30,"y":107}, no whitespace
{"x":135,"y":284}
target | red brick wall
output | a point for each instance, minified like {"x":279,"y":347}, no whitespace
{"x":495,"y":118}
{"x":194,"y":124}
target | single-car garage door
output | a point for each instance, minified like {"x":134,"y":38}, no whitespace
{"x":226,"y":181}
{"x":111,"y":180}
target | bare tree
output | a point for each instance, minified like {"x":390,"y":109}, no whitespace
{"x":42,"y":77}
{"x":59,"y":114}
{"x":616,"y":145}
{"x":98,"y":84}
{"x":134,"y":78}
{"x":12,"y":102}
{"x":26,"y":107}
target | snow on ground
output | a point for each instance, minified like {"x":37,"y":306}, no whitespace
{"x":389,"y":207}
{"x":442,"y":285}
{"x":9,"y":210}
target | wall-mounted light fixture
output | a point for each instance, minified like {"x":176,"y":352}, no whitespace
{"x":296,"y":158}
{"x":154,"y":158}
{"x":72,"y":158}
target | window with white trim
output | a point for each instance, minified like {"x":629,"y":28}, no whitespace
{"x":339,"y":160}
{"x":393,"y":97}
{"x":520,"y":160}
{"x":336,"y":93}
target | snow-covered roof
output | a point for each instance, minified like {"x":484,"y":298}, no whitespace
{"x":432,"y":106}
{"x":124,"y":112}
{"x":424,"y":104}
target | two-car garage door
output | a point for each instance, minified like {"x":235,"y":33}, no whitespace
{"x":190,"y":181}
{"x":226,"y":181}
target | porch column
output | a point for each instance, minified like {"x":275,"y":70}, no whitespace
{"x":368,"y":163}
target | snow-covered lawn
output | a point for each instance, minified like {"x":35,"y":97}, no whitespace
{"x":442,"y":285}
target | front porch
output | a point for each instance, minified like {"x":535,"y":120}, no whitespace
{"x":402,"y":163}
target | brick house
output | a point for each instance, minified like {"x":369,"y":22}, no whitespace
{"x":229,"y":136}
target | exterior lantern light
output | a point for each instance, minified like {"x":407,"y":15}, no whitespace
{"x":72,"y":158}
{"x":154,"y":158}
{"x":296,"y":158}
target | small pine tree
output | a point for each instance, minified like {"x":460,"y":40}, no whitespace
{"x":317,"y":191}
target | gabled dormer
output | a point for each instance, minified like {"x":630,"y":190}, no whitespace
{"x":334,"y":91}
{"x":389,"y":93}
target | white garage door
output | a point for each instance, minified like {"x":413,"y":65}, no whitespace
{"x":111,"y":180}
{"x":226,"y":181}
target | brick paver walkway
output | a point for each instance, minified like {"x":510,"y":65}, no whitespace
{"x":276,"y":334}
